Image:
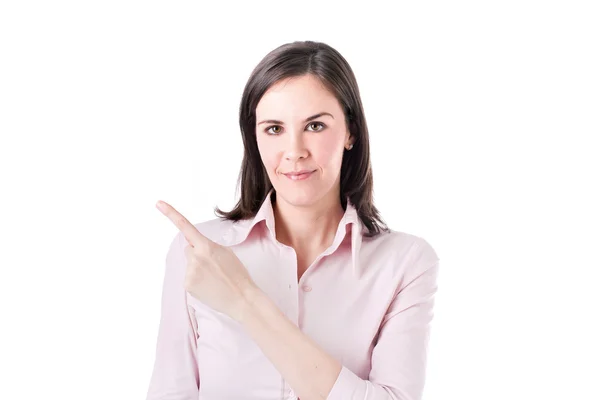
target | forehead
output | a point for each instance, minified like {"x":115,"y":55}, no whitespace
{"x":297,"y":97}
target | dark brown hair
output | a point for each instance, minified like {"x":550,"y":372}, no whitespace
{"x":327,"y":64}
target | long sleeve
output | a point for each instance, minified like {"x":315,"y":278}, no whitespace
{"x":399,"y":358}
{"x":175,"y":373}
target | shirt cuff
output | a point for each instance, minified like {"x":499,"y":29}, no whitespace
{"x":348,"y":386}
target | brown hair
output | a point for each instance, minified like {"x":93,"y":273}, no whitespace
{"x":327,"y":64}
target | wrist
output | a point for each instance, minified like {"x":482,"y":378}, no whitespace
{"x":251,"y":297}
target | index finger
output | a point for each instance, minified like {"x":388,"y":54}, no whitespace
{"x":191,"y":233}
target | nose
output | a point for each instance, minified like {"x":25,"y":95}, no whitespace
{"x":296,"y":147}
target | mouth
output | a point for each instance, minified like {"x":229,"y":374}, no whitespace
{"x":299,"y":175}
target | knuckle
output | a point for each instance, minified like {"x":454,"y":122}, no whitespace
{"x":180,"y":221}
{"x":211,"y":251}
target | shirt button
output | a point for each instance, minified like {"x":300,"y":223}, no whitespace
{"x":306,"y":288}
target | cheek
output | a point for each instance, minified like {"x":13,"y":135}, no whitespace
{"x":268,"y":154}
{"x":327,"y":153}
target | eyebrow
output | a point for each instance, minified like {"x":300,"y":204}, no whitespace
{"x":274,"y":121}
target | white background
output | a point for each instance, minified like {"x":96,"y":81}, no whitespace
{"x":484,"y":119}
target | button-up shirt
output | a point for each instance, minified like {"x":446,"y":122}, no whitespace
{"x":366,"y":301}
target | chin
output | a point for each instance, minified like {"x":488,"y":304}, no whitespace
{"x":301,"y":196}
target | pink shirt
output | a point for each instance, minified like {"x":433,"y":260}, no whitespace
{"x":368,"y":302}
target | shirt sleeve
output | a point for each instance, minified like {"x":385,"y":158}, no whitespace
{"x":399,"y":358}
{"x":175,"y":373}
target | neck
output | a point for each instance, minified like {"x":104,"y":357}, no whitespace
{"x":308,"y":228}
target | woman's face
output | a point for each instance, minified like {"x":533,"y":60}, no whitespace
{"x":291,"y":138}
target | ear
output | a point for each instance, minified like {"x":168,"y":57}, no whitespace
{"x":349,"y":139}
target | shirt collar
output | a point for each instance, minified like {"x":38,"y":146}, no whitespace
{"x":241,"y":229}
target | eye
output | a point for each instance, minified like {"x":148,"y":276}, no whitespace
{"x":271,"y":127}
{"x":320,"y":126}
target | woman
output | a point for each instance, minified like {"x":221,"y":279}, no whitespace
{"x":300,"y":291}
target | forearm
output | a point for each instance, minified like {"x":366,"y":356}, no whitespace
{"x":309,"y":370}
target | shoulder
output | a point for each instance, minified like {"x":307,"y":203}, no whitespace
{"x":401,"y":253}
{"x":403,"y":244}
{"x":216,"y":229}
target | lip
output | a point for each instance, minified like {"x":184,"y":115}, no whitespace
{"x":299,"y":175}
{"x":304,"y":171}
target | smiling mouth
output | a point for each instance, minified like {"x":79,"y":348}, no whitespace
{"x":299,"y":176}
